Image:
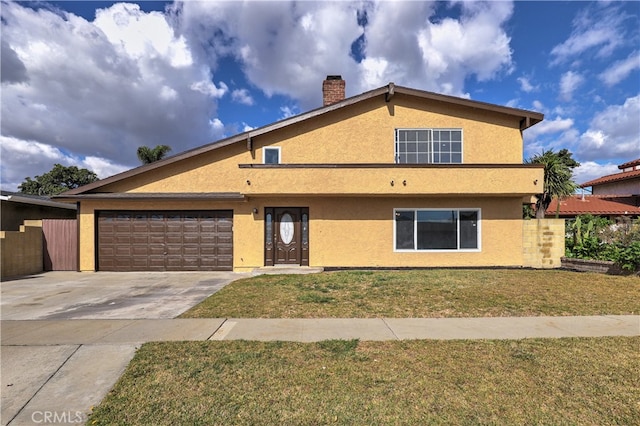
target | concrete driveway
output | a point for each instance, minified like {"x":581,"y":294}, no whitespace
{"x":108,"y":295}
{"x":46,"y":380}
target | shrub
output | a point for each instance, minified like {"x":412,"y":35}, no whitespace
{"x":628,"y":257}
{"x":590,"y":237}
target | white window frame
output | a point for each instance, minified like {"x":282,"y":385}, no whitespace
{"x":269,"y":148}
{"x":415,"y":230}
{"x":431,"y":142}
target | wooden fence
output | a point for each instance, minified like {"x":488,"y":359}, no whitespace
{"x":60,"y":244}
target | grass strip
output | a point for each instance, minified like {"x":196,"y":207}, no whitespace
{"x":424,"y":294}
{"x":531,"y":381}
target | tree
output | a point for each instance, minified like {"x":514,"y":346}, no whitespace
{"x":558,"y":173}
{"x":149,"y":155}
{"x":58,"y":180}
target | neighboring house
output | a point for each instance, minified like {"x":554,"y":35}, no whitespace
{"x":394,"y":177}
{"x":613,"y":195}
{"x":626,"y":182}
{"x":17,"y":207}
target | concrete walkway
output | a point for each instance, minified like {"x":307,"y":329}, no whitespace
{"x":54,"y":371}
{"x":137,"y":331}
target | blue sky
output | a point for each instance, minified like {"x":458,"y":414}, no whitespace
{"x":86,"y":83}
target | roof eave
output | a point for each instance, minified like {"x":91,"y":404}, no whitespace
{"x":615,"y":177}
{"x":38,"y":202}
{"x":156,"y":196}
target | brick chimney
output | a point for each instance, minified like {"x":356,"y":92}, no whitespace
{"x":332,"y":90}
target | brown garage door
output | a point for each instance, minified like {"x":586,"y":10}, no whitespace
{"x":165,"y":240}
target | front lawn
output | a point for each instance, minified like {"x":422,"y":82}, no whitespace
{"x":424,"y":294}
{"x":591,"y":381}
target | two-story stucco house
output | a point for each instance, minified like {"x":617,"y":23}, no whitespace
{"x":394,"y":177}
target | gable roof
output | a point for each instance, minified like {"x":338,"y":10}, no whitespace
{"x":594,"y":204}
{"x":616,"y":177}
{"x":526,"y":119}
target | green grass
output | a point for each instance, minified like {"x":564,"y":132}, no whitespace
{"x":424,"y":294}
{"x":579,"y":381}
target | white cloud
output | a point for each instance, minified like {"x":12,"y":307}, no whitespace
{"x":403,"y":45}
{"x":28,"y":158}
{"x":593,"y":139}
{"x":208,"y":88}
{"x":546,"y":127}
{"x":285,"y":48}
{"x":569,"y":83}
{"x":554,"y":134}
{"x":589,"y":170}
{"x":538,"y":105}
{"x":100,"y":166}
{"x":287,"y":111}
{"x":217,"y":125}
{"x":13,"y":69}
{"x":99,"y":90}
{"x":242,"y":96}
{"x":376,"y":72}
{"x":613,"y":133}
{"x":598,"y":28}
{"x":620,"y":70}
{"x":168,"y":93}
{"x":142,"y":35}
{"x":526,"y":86}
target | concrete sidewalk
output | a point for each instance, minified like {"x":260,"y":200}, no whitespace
{"x":137,"y":331}
{"x":54,"y":371}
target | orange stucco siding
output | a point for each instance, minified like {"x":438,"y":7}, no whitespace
{"x":365,"y":134}
{"x":357,"y":232}
{"x":344,"y":232}
{"x":362,"y":133}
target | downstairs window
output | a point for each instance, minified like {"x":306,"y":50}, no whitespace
{"x":437,"y":229}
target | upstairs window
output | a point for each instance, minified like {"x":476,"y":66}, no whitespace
{"x":271,"y":155}
{"x":428,"y":146}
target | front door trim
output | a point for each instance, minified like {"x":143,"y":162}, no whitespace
{"x":286,"y":236}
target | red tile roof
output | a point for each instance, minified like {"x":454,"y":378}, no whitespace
{"x":593,"y":204}
{"x":613,"y":178}
{"x":631,"y":163}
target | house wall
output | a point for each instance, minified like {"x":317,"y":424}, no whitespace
{"x":543,"y":242}
{"x":21,"y":251}
{"x":392,"y":181}
{"x":360,"y":232}
{"x":345,"y":232}
{"x":364,"y":133}
{"x":629,"y":187}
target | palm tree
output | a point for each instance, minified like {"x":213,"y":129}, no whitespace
{"x":558,"y":183}
{"x":148,"y":155}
